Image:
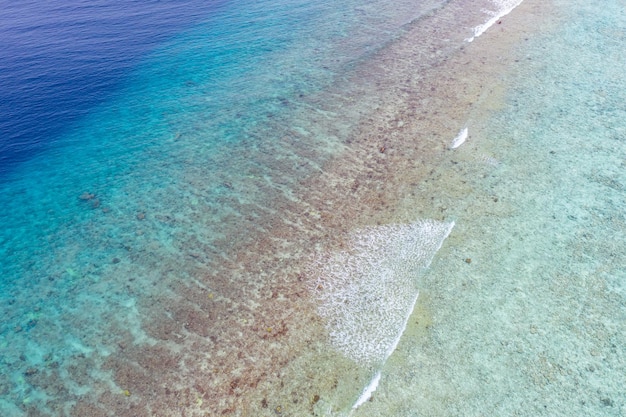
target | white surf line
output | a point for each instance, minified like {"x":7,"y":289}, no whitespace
{"x":367,"y":392}
{"x":393,"y":347}
{"x":460,"y":138}
{"x":504,"y":7}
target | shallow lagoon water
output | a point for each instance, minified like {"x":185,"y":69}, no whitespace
{"x":523,"y":312}
{"x":183,"y":252}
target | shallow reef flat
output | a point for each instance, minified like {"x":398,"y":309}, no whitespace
{"x":195,"y":291}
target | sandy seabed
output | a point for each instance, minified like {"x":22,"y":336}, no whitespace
{"x":522,"y":311}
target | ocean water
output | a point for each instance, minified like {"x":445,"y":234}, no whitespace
{"x":59,"y":61}
{"x":184,"y":184}
{"x":151,"y":154}
{"x":523,"y":312}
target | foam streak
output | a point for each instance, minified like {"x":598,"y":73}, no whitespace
{"x":368,"y":391}
{"x":504,"y":7}
{"x":368,"y":291}
{"x":460,"y":138}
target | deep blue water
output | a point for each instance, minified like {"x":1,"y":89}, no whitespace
{"x":60,"y":59}
{"x":163,"y":178}
{"x":135,"y":134}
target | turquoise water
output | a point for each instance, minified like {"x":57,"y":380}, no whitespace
{"x":524,"y":311}
{"x":152,"y":256}
{"x":113,"y":234}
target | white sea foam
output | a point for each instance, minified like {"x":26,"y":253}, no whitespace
{"x":503,"y":7}
{"x":368,"y":391}
{"x":368,"y":291}
{"x":460,"y":138}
